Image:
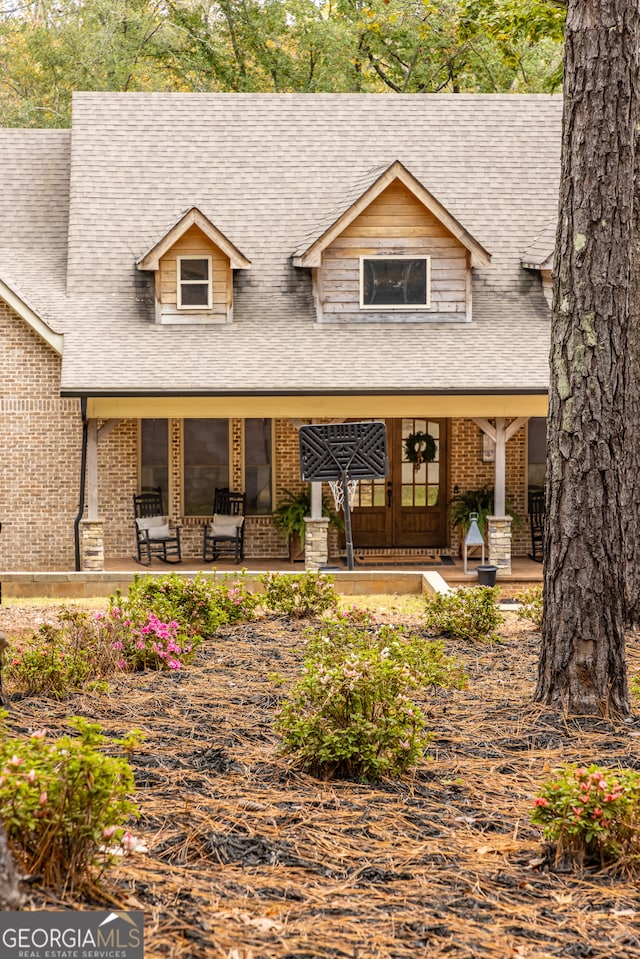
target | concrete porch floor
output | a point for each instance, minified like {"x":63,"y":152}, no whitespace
{"x":382,"y":579}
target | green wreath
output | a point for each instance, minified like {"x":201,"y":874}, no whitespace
{"x":420,"y":448}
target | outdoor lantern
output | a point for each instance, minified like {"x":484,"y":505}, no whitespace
{"x":473,"y":538}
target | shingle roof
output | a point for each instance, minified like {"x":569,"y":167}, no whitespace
{"x":268,"y":170}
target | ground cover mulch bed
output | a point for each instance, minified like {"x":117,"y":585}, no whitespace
{"x":248,"y":858}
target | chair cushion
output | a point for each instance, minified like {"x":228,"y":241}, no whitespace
{"x":224,"y":525}
{"x":156,"y":526}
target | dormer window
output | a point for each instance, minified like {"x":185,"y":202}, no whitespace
{"x":194,"y":283}
{"x":395,"y":282}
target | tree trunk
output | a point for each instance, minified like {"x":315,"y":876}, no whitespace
{"x":10,"y":895}
{"x":582,"y":666}
{"x":632,"y":422}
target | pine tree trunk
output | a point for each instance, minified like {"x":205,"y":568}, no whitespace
{"x":632,"y":422}
{"x":583,"y":664}
{"x":10,"y":895}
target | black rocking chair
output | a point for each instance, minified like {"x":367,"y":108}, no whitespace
{"x":225,"y":535}
{"x":154,"y":536}
{"x":536,"y":522}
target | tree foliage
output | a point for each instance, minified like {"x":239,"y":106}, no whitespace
{"x":49,"y":49}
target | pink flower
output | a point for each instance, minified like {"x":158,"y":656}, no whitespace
{"x":540,"y":801}
{"x":173,"y":664}
{"x":43,"y":798}
{"x":31,"y":776}
{"x":15,"y":761}
{"x":39,"y":734}
{"x":121,"y":664}
{"x":109,"y":832}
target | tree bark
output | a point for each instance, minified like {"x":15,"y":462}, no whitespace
{"x":582,"y":666}
{"x":10,"y":895}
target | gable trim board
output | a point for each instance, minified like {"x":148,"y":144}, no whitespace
{"x":37,"y":324}
{"x":193,"y":217}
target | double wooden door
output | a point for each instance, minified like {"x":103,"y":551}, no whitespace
{"x":409,"y":507}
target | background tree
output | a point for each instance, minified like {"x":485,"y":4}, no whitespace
{"x":49,"y":49}
{"x":582,"y":665}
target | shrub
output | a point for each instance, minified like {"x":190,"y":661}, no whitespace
{"x":60,"y":657}
{"x":358,"y":630}
{"x":353,"y":717}
{"x":298,"y":594}
{"x":465,"y":613}
{"x":531,"y":608}
{"x":200,"y":605}
{"x":61,"y":799}
{"x":592,"y":815}
{"x":154,"y":645}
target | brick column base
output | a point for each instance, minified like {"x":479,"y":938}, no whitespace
{"x":316,"y":542}
{"x":499,"y":541}
{"x":92,"y":545}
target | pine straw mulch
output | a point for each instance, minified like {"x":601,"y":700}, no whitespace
{"x":251,"y":859}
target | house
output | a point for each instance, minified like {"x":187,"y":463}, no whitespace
{"x":187,"y":278}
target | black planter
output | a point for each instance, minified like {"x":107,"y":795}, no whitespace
{"x":487,"y":575}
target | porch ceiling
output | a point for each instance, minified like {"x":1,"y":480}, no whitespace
{"x":377,"y":406}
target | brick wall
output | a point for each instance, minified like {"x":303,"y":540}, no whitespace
{"x":40,"y":449}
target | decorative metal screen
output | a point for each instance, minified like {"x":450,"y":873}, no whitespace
{"x":329,"y":450}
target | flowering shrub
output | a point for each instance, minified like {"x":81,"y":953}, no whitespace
{"x":60,"y":657}
{"x":465,"y":613}
{"x":199,"y":604}
{"x":298,"y":594}
{"x":592,"y":815}
{"x":531,"y":607}
{"x":353,"y":717}
{"x":154,"y":645}
{"x":234,"y":598}
{"x":61,"y":799}
{"x":358,"y":629}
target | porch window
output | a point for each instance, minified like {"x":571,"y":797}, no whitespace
{"x":258,"y":445}
{"x":206,"y":463}
{"x":395,"y":283}
{"x":194,"y":283}
{"x":154,"y":456}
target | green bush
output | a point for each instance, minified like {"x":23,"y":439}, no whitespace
{"x":358,"y":630}
{"x":531,"y":608}
{"x":471,"y":613}
{"x":298,"y":594}
{"x":353,"y":717}
{"x":62,"y":800}
{"x":60,"y":658}
{"x":351,"y":713}
{"x":593,"y":815}
{"x":199,"y":604}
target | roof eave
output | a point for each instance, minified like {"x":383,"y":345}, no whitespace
{"x":31,"y":318}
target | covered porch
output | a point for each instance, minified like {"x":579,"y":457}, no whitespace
{"x":405,"y":521}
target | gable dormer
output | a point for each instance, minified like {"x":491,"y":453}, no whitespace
{"x":392,"y":252}
{"x":193,"y":265}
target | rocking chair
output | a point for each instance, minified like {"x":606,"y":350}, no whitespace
{"x":153,"y":534}
{"x":225,"y":535}
{"x":536,"y":522}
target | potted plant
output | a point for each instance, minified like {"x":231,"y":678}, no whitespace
{"x":480,"y":501}
{"x":289,"y":516}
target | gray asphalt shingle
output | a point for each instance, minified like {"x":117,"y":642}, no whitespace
{"x":269,"y":170}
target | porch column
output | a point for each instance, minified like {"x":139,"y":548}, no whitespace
{"x":499,"y":525}
{"x":91,"y":527}
{"x":316,"y":542}
{"x":92,"y":545}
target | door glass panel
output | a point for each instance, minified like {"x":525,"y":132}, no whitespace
{"x":379,"y":495}
{"x":420,"y":480}
{"x":365,"y":489}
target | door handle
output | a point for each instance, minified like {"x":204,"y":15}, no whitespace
{"x":389,"y":493}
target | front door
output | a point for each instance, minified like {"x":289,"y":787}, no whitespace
{"x":409,"y":508}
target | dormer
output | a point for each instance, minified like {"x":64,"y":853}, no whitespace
{"x":540,"y":256}
{"x":391,"y":253}
{"x":193,"y":265}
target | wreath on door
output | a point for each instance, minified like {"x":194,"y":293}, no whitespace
{"x":420,"y":448}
